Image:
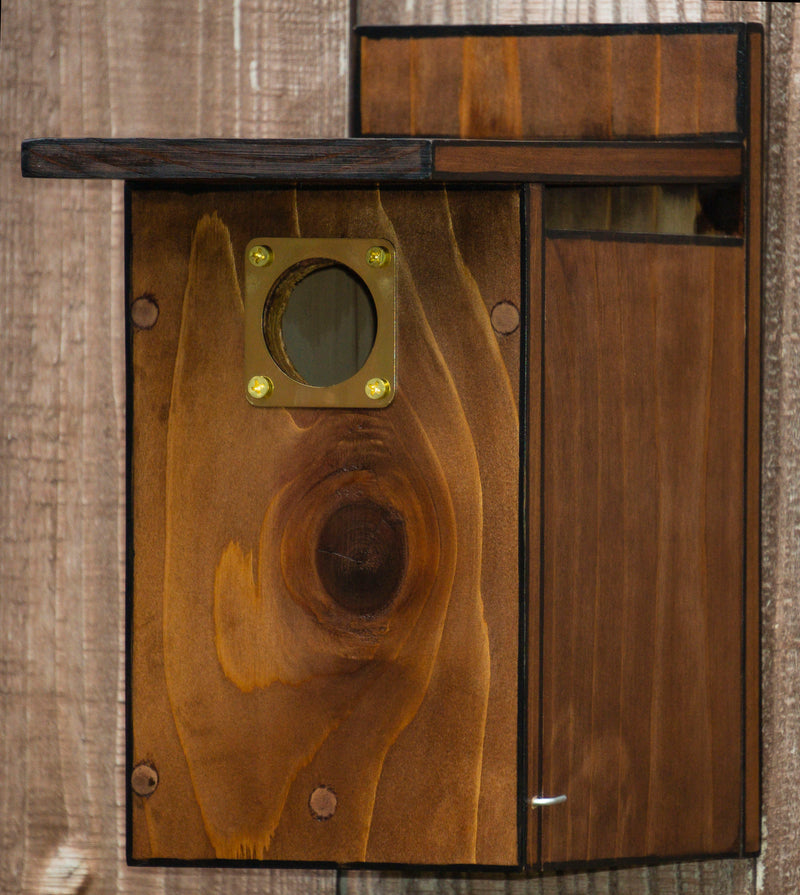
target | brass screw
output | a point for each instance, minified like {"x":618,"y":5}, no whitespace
{"x":261,"y":256}
{"x":260,"y":387}
{"x":377,"y":256}
{"x":144,"y":779}
{"x":377,"y":388}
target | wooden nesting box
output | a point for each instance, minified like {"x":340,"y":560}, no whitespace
{"x":488,"y":596}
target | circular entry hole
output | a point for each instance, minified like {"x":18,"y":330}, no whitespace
{"x":320,"y":322}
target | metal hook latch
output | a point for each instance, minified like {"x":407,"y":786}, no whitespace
{"x":543,"y":801}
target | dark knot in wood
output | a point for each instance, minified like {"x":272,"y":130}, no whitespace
{"x":361,"y":556}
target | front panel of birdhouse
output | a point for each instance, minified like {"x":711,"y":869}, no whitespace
{"x":324,"y":483}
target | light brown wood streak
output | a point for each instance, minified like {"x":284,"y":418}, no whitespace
{"x":357,"y":702}
{"x":556,"y":86}
{"x":489,"y":101}
{"x":644,"y":434}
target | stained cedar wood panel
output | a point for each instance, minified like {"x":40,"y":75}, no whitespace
{"x":571,"y":86}
{"x":244,"y":702}
{"x":643,"y":533}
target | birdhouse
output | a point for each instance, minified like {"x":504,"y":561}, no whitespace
{"x":443,"y":460}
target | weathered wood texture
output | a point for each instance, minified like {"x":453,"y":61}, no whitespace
{"x":642,"y":626}
{"x":531,"y":87}
{"x":255,"y":677}
{"x":149,"y":159}
{"x":125,"y":69}
{"x":231,"y":69}
{"x":549,"y":12}
{"x":372,"y":159}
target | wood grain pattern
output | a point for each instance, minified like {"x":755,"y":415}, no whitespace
{"x":544,"y":12}
{"x":644,"y":476}
{"x":167,"y":69}
{"x":377,"y":159}
{"x":79,"y":70}
{"x":275,"y":160}
{"x":552,"y":86}
{"x":277,"y":681}
{"x":542,"y":162}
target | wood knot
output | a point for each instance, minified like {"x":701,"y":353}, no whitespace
{"x":361,"y":556}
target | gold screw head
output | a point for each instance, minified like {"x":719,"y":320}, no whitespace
{"x":377,"y":256}
{"x":260,"y":387}
{"x":261,"y":256}
{"x":377,"y":389}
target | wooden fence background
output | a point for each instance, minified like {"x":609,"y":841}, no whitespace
{"x":261,"y":68}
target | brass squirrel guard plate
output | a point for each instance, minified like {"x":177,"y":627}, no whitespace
{"x":284,"y":359}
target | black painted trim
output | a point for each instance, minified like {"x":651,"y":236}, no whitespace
{"x":129,"y":554}
{"x":399,"y":32}
{"x":668,"y":238}
{"x":524,"y":529}
{"x":744,"y":110}
{"x":541,"y":508}
{"x":759,"y":250}
{"x":442,"y":871}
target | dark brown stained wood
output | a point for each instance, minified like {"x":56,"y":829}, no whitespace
{"x":634,"y":104}
{"x":696,"y":79}
{"x":543,"y":161}
{"x":534,"y":216}
{"x":752,"y":616}
{"x":551,"y":86}
{"x":249,"y":639}
{"x":566,"y":88}
{"x":354,"y":160}
{"x":398,"y":70}
{"x":393,"y":72}
{"x":489,"y":103}
{"x":277,"y":160}
{"x":643,"y":476}
{"x":441,"y":61}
